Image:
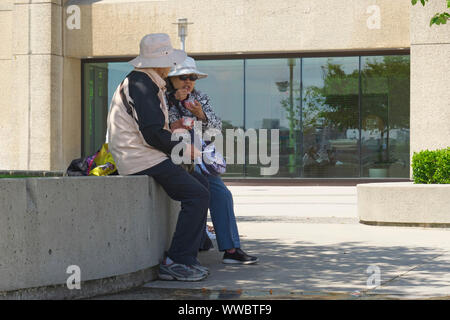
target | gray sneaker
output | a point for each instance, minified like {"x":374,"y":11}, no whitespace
{"x":180,"y":272}
{"x":201,"y":268}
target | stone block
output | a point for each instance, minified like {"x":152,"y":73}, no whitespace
{"x":430,"y":97}
{"x":20,"y":31}
{"x":71,"y":111}
{"x":8,"y":118}
{"x":241,"y":26}
{"x":404,"y":203}
{"x":108,"y":226}
{"x":58,"y":2}
{"x":6,"y":5}
{"x":20,"y":72}
{"x":6,"y":25}
{"x":37,"y":29}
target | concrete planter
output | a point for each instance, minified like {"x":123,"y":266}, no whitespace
{"x":404,"y":203}
{"x":114,"y":228}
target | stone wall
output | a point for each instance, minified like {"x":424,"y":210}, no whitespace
{"x":111,"y":227}
{"x":430,"y":74}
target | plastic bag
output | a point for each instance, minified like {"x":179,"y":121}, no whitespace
{"x":99,"y":164}
{"x":104,"y":161}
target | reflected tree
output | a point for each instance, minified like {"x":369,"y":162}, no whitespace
{"x":385,"y":87}
{"x":292,"y":111}
{"x":335,"y":104}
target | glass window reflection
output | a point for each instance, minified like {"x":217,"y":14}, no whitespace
{"x":330,"y":116}
{"x":272,"y":101}
{"x":385,"y":116}
{"x":225,"y":87}
{"x":338,"y":117}
{"x":100,"y":83}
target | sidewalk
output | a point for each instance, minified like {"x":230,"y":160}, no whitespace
{"x":310,"y":245}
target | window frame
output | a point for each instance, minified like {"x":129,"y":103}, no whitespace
{"x":271,"y":55}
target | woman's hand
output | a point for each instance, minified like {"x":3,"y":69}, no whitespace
{"x":196,"y":109}
{"x":181,"y":94}
{"x":179,"y":125}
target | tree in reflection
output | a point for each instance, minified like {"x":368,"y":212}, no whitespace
{"x":327,"y":112}
{"x":385,"y":88}
{"x":292,"y":111}
{"x":334,"y":106}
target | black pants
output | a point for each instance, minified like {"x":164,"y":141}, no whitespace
{"x":192,"y":191}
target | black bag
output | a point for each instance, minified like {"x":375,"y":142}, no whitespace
{"x":80,"y":167}
{"x":99,"y":164}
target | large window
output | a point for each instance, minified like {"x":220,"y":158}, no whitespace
{"x":95,"y":103}
{"x":100,"y":82}
{"x":330,"y":117}
{"x":385,"y":116}
{"x":337,"y":117}
{"x":226,"y":83}
{"x":272,"y":91}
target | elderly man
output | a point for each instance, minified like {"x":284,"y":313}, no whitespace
{"x":140,"y":142}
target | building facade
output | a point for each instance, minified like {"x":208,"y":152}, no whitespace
{"x":354,"y":87}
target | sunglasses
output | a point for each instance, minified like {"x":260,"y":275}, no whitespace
{"x":192,"y":77}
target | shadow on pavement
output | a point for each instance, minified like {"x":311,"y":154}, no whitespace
{"x":301,"y":270}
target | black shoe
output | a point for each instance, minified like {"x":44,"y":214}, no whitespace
{"x":238,"y":257}
{"x":206,"y":244}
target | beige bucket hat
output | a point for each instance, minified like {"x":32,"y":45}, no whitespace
{"x":187,"y":67}
{"x":156,"y":51}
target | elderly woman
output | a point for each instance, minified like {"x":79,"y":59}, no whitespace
{"x":140,"y":142}
{"x":186,"y":101}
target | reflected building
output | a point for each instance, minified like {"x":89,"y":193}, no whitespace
{"x":338,"y":117}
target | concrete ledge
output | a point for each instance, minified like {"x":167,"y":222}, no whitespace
{"x":404,"y":204}
{"x":114,"y":228}
{"x":29,"y":174}
{"x":88,"y":289}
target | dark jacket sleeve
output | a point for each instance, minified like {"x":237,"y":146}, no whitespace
{"x":144,"y":93}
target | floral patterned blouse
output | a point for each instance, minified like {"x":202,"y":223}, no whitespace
{"x":175,"y":113}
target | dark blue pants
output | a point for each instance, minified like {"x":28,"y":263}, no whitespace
{"x":192,"y":191}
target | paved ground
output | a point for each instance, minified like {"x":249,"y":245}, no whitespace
{"x":311,"y":246}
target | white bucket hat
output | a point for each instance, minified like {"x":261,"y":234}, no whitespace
{"x":156,"y":51}
{"x":187,"y":67}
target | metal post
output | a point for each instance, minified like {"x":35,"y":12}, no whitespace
{"x":292,"y":137}
{"x":182,"y":31}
